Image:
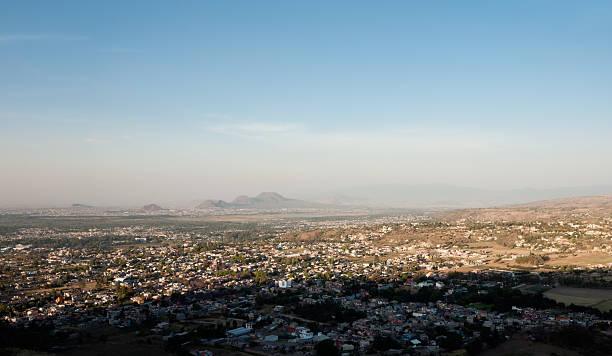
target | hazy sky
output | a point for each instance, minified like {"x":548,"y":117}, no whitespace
{"x":131,"y":102}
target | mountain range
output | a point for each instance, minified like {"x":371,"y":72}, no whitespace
{"x":265,"y":200}
{"x":448,"y":196}
{"x":407,"y":196}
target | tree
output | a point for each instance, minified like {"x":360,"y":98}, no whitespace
{"x":384,"y":343}
{"x":452,"y":341}
{"x":261,"y":277}
{"x":474,"y":347}
{"x":326,"y":348}
{"x":5,"y":310}
{"x":124,"y":293}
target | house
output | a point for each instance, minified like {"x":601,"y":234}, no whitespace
{"x":239,"y":331}
{"x":284,"y":283}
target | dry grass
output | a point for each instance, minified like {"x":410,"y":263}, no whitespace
{"x":519,"y":346}
{"x":542,"y":210}
{"x":583,"y":259}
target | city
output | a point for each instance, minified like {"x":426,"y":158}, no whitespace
{"x":310,"y":178}
{"x":413,"y":282}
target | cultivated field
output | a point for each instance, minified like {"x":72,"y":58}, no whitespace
{"x":596,"y":298}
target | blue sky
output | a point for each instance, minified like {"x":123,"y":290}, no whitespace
{"x":126,"y":102}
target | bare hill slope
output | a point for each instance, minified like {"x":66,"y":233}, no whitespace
{"x":540,"y":210}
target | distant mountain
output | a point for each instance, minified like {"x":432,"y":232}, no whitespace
{"x":265,"y":200}
{"x":438,"y":196}
{"x":213,"y":204}
{"x":447,"y":196}
{"x":152,"y":207}
{"x":242,"y":200}
{"x":79,"y":205}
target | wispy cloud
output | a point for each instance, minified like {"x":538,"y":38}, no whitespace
{"x":22,"y":37}
{"x":261,"y":127}
{"x":399,"y":138}
{"x":116,"y":138}
{"x":118,"y":50}
{"x":5,"y":38}
{"x":94,"y":141}
{"x":252,"y":129}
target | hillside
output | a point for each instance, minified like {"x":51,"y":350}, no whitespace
{"x":448,"y":196}
{"x":589,"y":206}
{"x":547,"y":235}
{"x":597,"y":202}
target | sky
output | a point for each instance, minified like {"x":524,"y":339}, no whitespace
{"x":132,"y":102}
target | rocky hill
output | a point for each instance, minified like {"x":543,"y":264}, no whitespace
{"x":152,"y":207}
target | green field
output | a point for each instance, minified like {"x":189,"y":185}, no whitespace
{"x":534,"y":288}
{"x":596,"y":298}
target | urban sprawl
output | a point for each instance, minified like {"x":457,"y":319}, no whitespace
{"x":401,"y":284}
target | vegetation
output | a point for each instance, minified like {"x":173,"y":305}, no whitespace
{"x":328,"y":311}
{"x":532,"y":259}
{"x":5,"y":310}
{"x":124,"y":292}
{"x":261,"y":277}
{"x":326,"y":348}
{"x":584,"y":340}
{"x":503,"y":299}
{"x":385,"y":343}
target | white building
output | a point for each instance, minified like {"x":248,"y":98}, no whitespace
{"x":284,"y":283}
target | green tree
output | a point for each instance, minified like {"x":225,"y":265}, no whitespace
{"x":326,"y":348}
{"x":124,"y":293}
{"x":5,"y":310}
{"x":261,"y":277}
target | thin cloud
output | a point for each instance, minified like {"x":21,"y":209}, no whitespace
{"x":260,"y":127}
{"x":94,"y":141}
{"x":221,"y":117}
{"x":118,"y":50}
{"x":418,"y":139}
{"x":22,"y":37}
{"x":253,"y":129}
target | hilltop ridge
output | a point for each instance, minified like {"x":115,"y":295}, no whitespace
{"x":588,"y":206}
{"x":264,"y":200}
{"x":152,"y":207}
